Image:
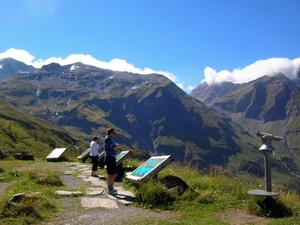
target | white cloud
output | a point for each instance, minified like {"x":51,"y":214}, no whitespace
{"x":190,"y":87}
{"x":20,"y":55}
{"x":180,"y":85}
{"x":114,"y":64}
{"x":259,"y":68}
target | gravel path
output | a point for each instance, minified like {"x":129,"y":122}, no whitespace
{"x":3,"y":188}
{"x":73,"y":213}
{"x":97,"y":216}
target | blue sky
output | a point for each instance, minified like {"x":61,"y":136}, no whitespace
{"x":188,"y":41}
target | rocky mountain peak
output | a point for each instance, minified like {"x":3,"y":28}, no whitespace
{"x":267,"y":98}
{"x":9,"y":66}
{"x":208,"y":93}
{"x":53,"y":68}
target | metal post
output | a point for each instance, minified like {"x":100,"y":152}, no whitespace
{"x":267,"y":150}
{"x":268,"y":171}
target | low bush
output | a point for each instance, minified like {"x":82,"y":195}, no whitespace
{"x":154,"y":195}
{"x":3,"y":153}
{"x":50,"y":179}
{"x":29,"y":210}
{"x":269,"y":207}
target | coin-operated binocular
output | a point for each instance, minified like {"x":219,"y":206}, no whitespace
{"x":266,"y":139}
{"x":267,"y":150}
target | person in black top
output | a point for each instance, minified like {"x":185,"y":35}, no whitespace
{"x":110,"y":148}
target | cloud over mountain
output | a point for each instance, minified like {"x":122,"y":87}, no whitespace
{"x":251,"y":72}
{"x":257,"y":69}
{"x":115,"y":64}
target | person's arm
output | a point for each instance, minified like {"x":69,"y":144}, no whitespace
{"x":98,"y":149}
{"x":116,"y":147}
{"x":113,"y":145}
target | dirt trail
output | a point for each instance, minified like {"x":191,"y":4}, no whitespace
{"x":73,"y":212}
{"x":239,"y":217}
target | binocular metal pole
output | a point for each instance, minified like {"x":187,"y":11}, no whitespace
{"x":267,"y":150}
{"x":268,"y":179}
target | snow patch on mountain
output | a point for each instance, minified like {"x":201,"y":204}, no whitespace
{"x":74,"y":67}
{"x":20,"y":71}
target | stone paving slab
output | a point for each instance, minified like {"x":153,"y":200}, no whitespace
{"x":99,"y":203}
{"x":69,"y":172}
{"x":95,"y":193}
{"x":72,"y":164}
{"x":85,"y":169}
{"x":78,"y":167}
{"x":99,"y":187}
{"x":123,"y":196}
{"x":94,"y":189}
{"x":68,"y":193}
{"x":96,"y":182}
{"x":87,"y":172}
{"x":83,"y":177}
{"x":124,"y":193}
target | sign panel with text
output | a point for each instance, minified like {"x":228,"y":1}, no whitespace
{"x":149,"y":168}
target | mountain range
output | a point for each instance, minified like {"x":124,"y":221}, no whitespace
{"x":213,"y":125}
{"x":269,"y":103}
{"x":9,"y":66}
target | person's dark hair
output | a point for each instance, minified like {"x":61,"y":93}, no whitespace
{"x":110,"y":130}
{"x":95,"y":138}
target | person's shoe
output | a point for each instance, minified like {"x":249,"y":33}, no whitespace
{"x":116,"y":191}
{"x":111,"y":192}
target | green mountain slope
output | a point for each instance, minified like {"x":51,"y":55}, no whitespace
{"x":150,"y":112}
{"x":270,"y":104}
{"x":21,"y":131}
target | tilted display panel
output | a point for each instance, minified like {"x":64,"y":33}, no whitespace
{"x":149,"y":168}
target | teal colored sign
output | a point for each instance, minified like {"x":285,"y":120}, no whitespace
{"x":120,"y":155}
{"x":147,"y":167}
{"x":84,"y":153}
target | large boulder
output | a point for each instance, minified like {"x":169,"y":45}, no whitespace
{"x":175,"y":184}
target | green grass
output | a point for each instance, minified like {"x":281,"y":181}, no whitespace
{"x":211,"y":193}
{"x":153,"y":195}
{"x":22,"y":131}
{"x":37,"y":180}
{"x":207,"y":195}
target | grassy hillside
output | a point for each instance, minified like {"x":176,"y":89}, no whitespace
{"x":21,"y":131}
